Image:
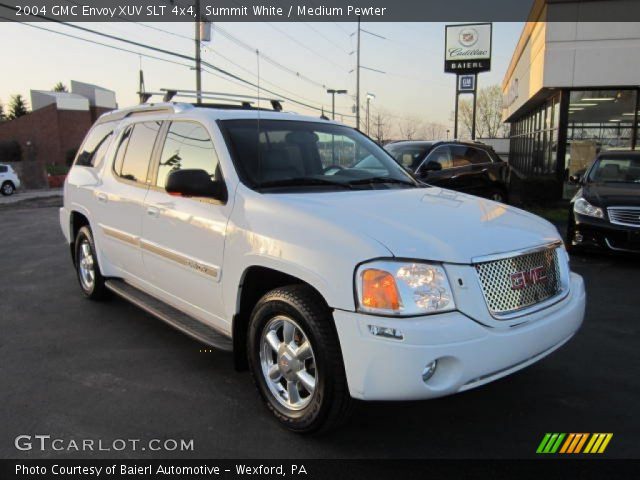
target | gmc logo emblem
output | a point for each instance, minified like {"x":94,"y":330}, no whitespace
{"x":525,"y":278}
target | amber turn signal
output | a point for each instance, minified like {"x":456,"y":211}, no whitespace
{"x":379,"y":290}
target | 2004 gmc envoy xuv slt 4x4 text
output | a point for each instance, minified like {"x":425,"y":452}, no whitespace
{"x":303,"y":247}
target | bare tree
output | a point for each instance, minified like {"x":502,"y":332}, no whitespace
{"x":434,"y":131}
{"x":488,"y":114}
{"x":409,"y":128}
{"x":380,"y":128}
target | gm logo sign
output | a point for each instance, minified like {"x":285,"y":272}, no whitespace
{"x":466,"y":83}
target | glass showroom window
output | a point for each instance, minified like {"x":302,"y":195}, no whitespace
{"x":599,"y":120}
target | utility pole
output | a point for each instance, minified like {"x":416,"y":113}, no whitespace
{"x":198,"y":61}
{"x":358,"y":80}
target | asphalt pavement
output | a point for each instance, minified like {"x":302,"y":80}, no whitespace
{"x":76,"y":369}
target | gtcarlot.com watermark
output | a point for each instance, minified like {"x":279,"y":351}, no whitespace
{"x":48,"y":443}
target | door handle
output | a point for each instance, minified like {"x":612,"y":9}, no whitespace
{"x":102,"y":197}
{"x":153,"y":211}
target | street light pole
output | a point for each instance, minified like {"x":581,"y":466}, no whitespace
{"x":333,"y":92}
{"x":370,"y":96}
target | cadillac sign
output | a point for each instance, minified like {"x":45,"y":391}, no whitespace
{"x":467,"y":48}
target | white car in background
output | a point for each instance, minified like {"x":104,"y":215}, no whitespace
{"x":303,"y":247}
{"x":9,"y":181}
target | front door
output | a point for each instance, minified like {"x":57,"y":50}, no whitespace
{"x":183,"y":238}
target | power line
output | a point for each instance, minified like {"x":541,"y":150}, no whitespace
{"x":96,"y":42}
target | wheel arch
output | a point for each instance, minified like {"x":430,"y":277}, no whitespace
{"x":256,"y":281}
{"x":77,"y":220}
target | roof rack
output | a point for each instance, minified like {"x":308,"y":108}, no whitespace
{"x":245,"y":101}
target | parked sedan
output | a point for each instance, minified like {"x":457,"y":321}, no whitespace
{"x":605,"y":212}
{"x":468,"y":167}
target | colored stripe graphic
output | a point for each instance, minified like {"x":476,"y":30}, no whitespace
{"x":573,"y":443}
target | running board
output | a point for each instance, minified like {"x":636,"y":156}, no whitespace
{"x":168,"y":314}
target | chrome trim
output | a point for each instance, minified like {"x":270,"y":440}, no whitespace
{"x":616,"y":222}
{"x":617,"y":249}
{"x":516,"y":253}
{"x":184,"y":260}
{"x":120,"y":235}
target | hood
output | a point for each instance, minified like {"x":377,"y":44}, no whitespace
{"x":427,"y":223}
{"x":612,"y":194}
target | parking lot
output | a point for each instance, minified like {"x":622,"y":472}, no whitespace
{"x":72,"y":368}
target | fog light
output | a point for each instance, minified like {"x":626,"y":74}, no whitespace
{"x":578,"y":237}
{"x":429,"y":370}
{"x":386,"y":332}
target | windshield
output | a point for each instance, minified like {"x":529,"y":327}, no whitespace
{"x":408,"y":155}
{"x":617,"y":169}
{"x":282,"y":154}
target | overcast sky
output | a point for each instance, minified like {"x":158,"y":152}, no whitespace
{"x":414,"y":84}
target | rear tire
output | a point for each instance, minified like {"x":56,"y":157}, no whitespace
{"x":296,"y":361}
{"x":7,"y":188}
{"x":87,"y":268}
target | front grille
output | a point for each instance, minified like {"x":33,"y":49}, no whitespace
{"x":625,"y":216}
{"x":498,"y":282}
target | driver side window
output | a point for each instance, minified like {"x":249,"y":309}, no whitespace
{"x":187,"y":146}
{"x":442,"y":156}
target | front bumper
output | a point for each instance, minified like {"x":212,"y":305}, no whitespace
{"x":469,"y":354}
{"x":601,"y":234}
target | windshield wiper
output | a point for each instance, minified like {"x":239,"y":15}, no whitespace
{"x":301,"y":182}
{"x":373,"y":180}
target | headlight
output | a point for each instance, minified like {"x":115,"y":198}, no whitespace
{"x":583,"y":207}
{"x":403,"y":288}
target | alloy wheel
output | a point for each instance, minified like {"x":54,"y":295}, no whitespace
{"x":288,"y":363}
{"x":86,"y":265}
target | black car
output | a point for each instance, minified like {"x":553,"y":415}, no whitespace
{"x":605,"y":212}
{"x":468,"y":167}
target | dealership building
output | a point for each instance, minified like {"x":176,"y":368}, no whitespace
{"x":571,"y":91}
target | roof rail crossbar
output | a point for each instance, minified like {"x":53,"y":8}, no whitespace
{"x":244,"y":100}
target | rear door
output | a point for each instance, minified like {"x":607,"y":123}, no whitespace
{"x":120,"y":199}
{"x":480,"y":171}
{"x":443,"y":177}
{"x":183,"y":237}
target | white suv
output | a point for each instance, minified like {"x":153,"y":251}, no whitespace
{"x":330,"y":277}
{"x":9,"y":181}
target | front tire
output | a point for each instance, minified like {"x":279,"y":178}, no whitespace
{"x":87,"y":268}
{"x":296,"y":362}
{"x":7,"y":189}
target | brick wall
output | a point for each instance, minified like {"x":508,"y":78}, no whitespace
{"x":51,"y":134}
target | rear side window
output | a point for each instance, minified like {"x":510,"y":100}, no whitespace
{"x":441,"y":155}
{"x":4,"y":169}
{"x":463,"y":156}
{"x":188,"y":146}
{"x":95,"y":145}
{"x":134,"y":153}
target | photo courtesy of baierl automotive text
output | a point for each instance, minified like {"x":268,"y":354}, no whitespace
{"x":304,"y":238}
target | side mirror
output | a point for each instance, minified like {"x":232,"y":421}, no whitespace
{"x":575,"y":179}
{"x":195,"y":183}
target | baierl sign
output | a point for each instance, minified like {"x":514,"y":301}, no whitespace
{"x":467,"y":48}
